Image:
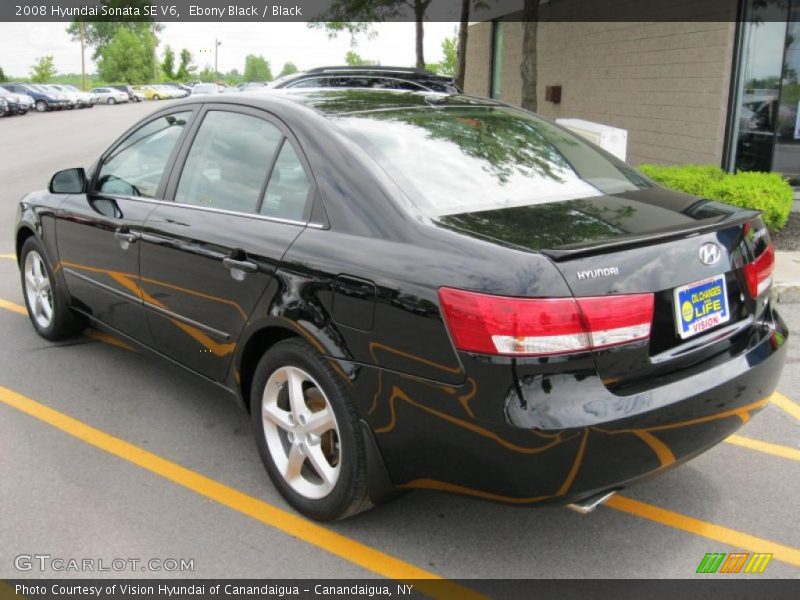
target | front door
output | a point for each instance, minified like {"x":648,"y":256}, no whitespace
{"x":98,"y":233}
{"x":207,"y":259}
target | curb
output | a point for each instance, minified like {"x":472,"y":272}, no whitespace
{"x":786,"y":292}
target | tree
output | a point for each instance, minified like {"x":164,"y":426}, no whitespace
{"x":186,"y":68}
{"x":44,"y":70}
{"x":127,"y":58}
{"x":449,"y":64}
{"x":527,"y":68}
{"x":288,"y":69}
{"x":256,"y":68}
{"x":168,"y":64}
{"x":354,"y":60}
{"x":100,"y":31}
{"x":355,"y":16}
{"x":207,"y":74}
{"x":2,"y":75}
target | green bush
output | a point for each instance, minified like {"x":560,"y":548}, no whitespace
{"x":767,"y":192}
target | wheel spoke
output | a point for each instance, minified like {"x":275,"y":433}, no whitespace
{"x":297,"y":400}
{"x":321,"y":421}
{"x":47,"y":310}
{"x":30,"y":280}
{"x":277,"y":416}
{"x":37,"y":270}
{"x":37,"y":306}
{"x":321,"y":465}
{"x":294,"y":464}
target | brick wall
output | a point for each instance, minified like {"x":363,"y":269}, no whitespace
{"x":666,"y":83}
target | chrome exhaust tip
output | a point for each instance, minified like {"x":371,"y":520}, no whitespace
{"x":587,"y":505}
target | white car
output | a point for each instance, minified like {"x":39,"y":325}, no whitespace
{"x":167,"y":91}
{"x":82,"y":99}
{"x":26,"y":103}
{"x":206,"y":88}
{"x":107,"y":95}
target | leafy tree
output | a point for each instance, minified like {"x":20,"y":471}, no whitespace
{"x":2,"y":75}
{"x":354,"y":60}
{"x":256,"y":68}
{"x":186,"y":69}
{"x":207,"y":74}
{"x":127,"y":58}
{"x":355,"y":16}
{"x":168,"y":64}
{"x":100,"y":31}
{"x":288,"y":69}
{"x":449,"y":64}
{"x":44,"y":70}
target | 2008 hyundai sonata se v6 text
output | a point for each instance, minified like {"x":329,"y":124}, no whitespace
{"x":410,"y":290}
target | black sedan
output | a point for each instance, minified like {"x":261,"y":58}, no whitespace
{"x":412,"y":290}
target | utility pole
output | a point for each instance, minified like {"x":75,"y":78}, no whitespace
{"x":83,"y":57}
{"x":217,"y":44}
{"x":155,"y":55}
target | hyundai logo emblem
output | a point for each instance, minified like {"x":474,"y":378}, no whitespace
{"x":710,"y":254}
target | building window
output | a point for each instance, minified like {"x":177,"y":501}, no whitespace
{"x":497,"y":59}
{"x":754,"y":113}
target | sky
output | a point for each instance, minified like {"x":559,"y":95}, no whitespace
{"x":21,"y":44}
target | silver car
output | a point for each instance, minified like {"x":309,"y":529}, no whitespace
{"x":107,"y":95}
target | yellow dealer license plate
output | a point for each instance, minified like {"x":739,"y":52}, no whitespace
{"x":701,"y":305}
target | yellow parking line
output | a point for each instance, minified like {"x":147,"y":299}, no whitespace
{"x":13,"y":307}
{"x":357,"y":553}
{"x":9,"y":256}
{"x":767,"y":447}
{"x":786,"y":405}
{"x":718,"y":533}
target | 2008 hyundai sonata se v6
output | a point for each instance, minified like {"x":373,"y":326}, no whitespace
{"x":415,"y":291}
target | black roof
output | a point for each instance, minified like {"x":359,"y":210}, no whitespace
{"x":336,"y":101}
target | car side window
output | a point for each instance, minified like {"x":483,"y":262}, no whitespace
{"x":287,"y":193}
{"x":135,"y":167}
{"x":228,"y":162}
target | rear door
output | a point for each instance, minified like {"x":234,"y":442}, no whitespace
{"x":98,"y":233}
{"x":242,"y":194}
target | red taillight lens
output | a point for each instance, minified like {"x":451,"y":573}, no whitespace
{"x":540,"y":326}
{"x":759,"y":272}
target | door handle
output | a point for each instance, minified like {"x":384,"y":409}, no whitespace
{"x":240,"y":265}
{"x":125,"y":237}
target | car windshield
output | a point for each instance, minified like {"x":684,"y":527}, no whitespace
{"x":468,"y":159}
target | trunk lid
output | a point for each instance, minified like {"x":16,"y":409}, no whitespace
{"x":646,"y":241}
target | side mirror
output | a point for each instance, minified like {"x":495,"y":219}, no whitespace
{"x":68,"y":181}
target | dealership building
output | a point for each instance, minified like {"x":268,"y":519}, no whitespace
{"x":710,"y":81}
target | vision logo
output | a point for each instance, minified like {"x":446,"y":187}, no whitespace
{"x":720,"y":562}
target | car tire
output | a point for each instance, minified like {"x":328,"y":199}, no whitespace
{"x":41,"y":106}
{"x":287,"y":433}
{"x":111,"y":101}
{"x":45,"y":300}
{"x":156,"y":97}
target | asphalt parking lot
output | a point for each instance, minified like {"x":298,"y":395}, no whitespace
{"x":141,"y":461}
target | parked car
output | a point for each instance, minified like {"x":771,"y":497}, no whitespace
{"x":74,"y":100}
{"x":44,"y":99}
{"x":82,"y":99}
{"x":128,"y":89}
{"x":206,"y":88}
{"x":251,"y":86}
{"x":180,"y":87}
{"x":147,"y":91}
{"x":5,"y":111}
{"x":396,"y":78}
{"x":409,"y":291}
{"x":110,"y":95}
{"x":18,"y":104}
{"x":169,"y":91}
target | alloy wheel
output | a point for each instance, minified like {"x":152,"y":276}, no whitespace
{"x":38,"y":290}
{"x":301,"y":432}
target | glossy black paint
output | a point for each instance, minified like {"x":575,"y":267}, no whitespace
{"x":359,"y":279}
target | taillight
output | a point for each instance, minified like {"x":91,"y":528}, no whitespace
{"x":759,"y":272}
{"x":539,"y":326}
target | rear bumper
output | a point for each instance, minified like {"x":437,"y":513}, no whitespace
{"x":571,"y":437}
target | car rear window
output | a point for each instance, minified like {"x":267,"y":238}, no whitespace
{"x":466,"y":159}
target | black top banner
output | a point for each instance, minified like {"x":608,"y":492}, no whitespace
{"x":384,"y":10}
